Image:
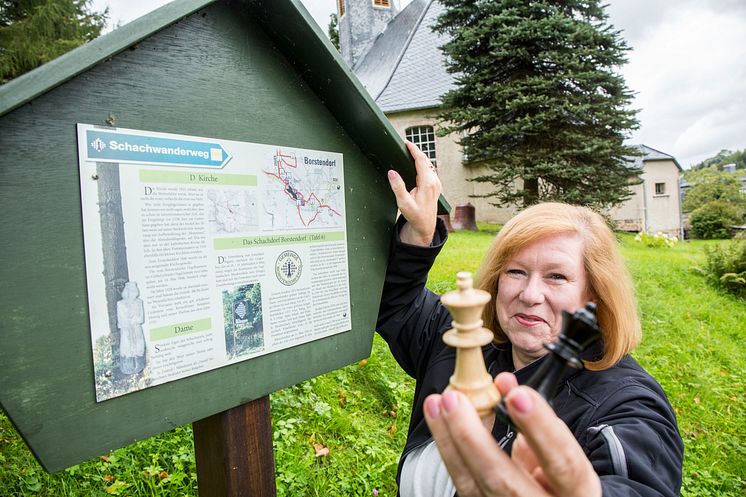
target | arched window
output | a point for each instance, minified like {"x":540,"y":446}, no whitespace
{"x":341,"y":7}
{"x":423,"y":137}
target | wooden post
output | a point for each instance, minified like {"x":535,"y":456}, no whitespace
{"x":234,"y":452}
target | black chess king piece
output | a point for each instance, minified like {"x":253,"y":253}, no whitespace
{"x":579,"y":330}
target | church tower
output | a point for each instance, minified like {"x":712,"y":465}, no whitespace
{"x":360,"y":22}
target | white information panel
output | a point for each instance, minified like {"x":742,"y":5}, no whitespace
{"x":202,"y":252}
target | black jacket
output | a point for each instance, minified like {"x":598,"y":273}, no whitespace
{"x":620,"y":416}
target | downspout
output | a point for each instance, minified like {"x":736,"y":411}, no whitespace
{"x":681,"y":214}
{"x":644,"y":207}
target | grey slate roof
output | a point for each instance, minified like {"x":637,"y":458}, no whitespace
{"x":403,"y":69}
{"x":650,"y":154}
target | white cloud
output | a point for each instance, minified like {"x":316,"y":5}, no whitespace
{"x":716,"y":130}
{"x":124,"y":11}
{"x":688,"y":71}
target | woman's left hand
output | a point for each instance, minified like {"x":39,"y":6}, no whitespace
{"x":546,"y":459}
{"x":420,"y":205}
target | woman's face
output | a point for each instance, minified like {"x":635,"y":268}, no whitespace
{"x":537,"y":284}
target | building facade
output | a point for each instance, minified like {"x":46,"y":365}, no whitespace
{"x":655,"y":204}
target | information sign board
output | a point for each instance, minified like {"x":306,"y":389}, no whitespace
{"x":267,"y":85}
{"x":228,"y":250}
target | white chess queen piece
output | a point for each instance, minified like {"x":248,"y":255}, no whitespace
{"x":130,"y":317}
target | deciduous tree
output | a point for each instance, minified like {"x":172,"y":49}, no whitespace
{"x":710,"y":184}
{"x":724,"y":157}
{"x":333,"y":30}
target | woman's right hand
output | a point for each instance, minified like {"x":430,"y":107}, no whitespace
{"x":420,"y":205}
{"x":546,"y":459}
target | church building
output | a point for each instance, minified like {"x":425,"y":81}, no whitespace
{"x":395,"y":54}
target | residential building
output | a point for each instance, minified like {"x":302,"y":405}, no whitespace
{"x":655,"y":204}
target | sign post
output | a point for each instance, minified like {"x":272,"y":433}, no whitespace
{"x":234,"y":452}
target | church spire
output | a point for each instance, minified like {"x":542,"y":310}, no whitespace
{"x":360,"y":22}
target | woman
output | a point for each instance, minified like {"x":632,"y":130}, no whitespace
{"x":549,"y":258}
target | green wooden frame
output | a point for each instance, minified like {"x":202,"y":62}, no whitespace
{"x":223,"y":69}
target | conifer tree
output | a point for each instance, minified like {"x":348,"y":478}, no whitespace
{"x":538,"y":98}
{"x":33,"y":32}
{"x":333,"y":30}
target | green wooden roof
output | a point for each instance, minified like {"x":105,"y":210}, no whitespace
{"x":295,"y":33}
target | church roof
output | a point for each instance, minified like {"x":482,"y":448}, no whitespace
{"x":404,"y":69}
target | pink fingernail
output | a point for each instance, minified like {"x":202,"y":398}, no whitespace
{"x":432,"y":405}
{"x":450,"y":401}
{"x":392,"y":174}
{"x":522,"y":402}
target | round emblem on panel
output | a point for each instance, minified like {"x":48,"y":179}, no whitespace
{"x":288,"y":268}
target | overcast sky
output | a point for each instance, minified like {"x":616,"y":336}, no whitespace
{"x":687,"y":67}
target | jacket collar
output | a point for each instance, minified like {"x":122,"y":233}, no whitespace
{"x":500,"y":358}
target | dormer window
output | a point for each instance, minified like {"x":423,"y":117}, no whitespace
{"x":382,"y":3}
{"x":341,"y":7}
{"x":423,"y":137}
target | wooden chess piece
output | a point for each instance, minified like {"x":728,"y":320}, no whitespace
{"x":470,"y":375}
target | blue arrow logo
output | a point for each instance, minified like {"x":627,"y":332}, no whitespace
{"x":114,"y":146}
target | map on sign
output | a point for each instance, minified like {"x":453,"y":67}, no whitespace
{"x":303,"y":192}
{"x":231,"y":211}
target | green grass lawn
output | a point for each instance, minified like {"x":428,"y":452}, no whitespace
{"x":693,"y":344}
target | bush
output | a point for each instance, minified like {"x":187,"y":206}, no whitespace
{"x":726,"y":266}
{"x":656,"y":240}
{"x":714,"y":220}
